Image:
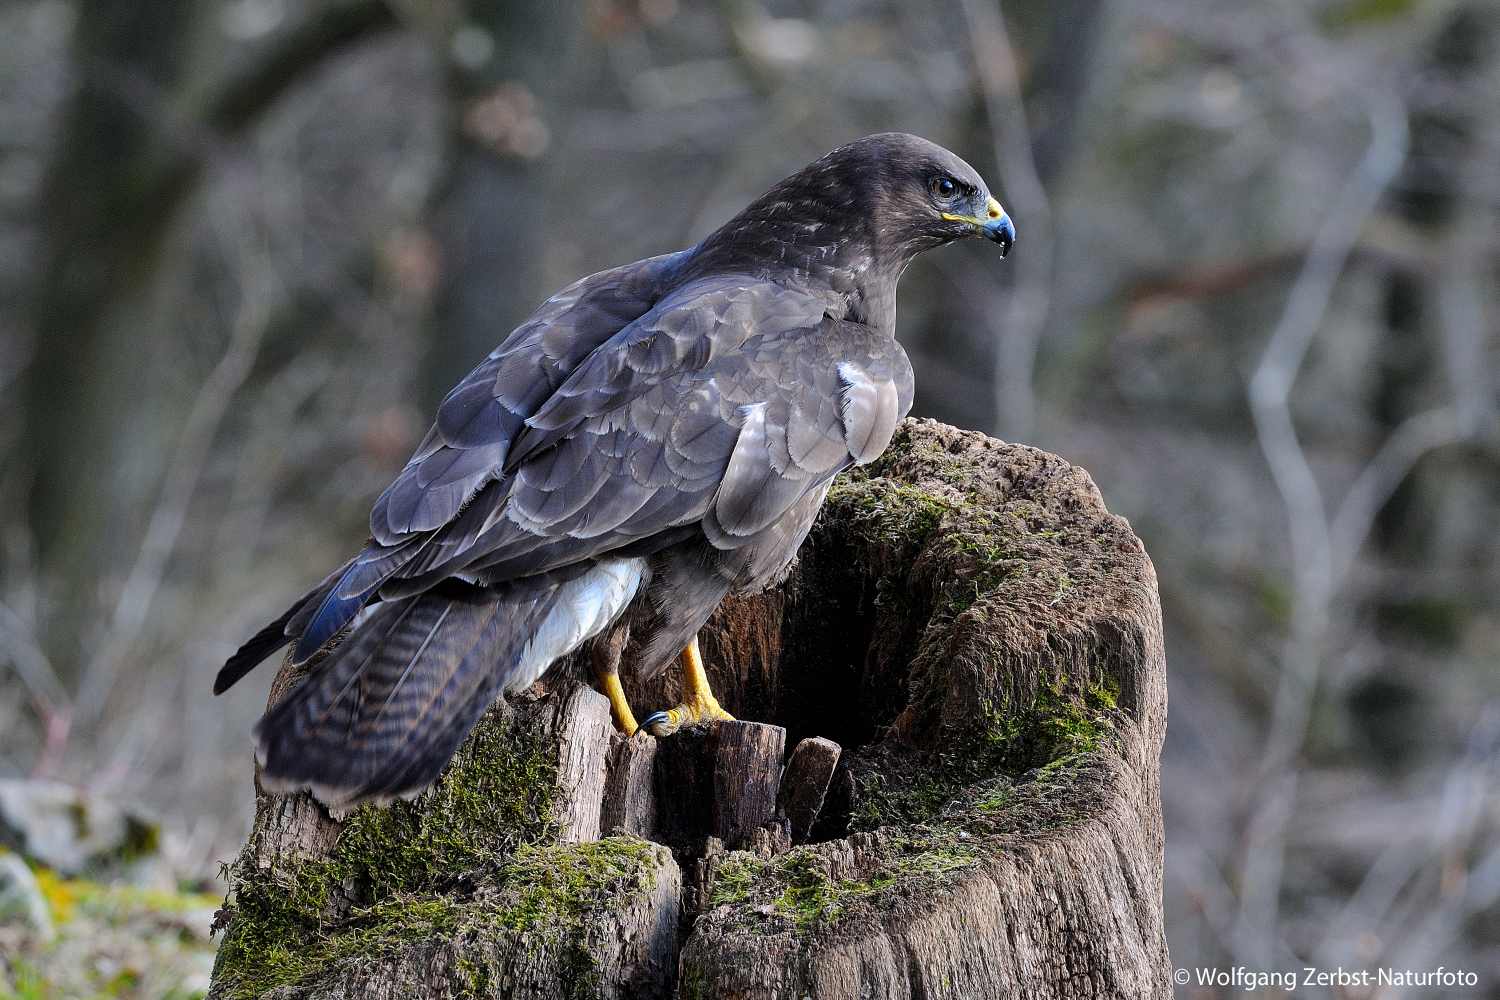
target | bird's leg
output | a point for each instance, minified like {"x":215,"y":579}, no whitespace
{"x":698,"y":701}
{"x":607,"y":669}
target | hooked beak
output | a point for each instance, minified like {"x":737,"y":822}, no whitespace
{"x":996,"y":226}
{"x":1001,"y":231}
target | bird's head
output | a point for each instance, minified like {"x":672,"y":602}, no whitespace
{"x":920,"y":195}
{"x":863,"y":210}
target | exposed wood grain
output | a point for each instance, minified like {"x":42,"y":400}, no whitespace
{"x":747,"y":770}
{"x":630,"y":792}
{"x":683,"y":779}
{"x":804,"y":784}
{"x":584,"y":730}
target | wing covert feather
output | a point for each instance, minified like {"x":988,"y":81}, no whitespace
{"x":728,"y":405}
{"x":478,"y":421}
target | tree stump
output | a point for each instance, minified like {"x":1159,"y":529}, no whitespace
{"x":971,"y":626}
{"x":804,"y":784}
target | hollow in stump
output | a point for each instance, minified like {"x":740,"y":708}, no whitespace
{"x":966,"y":621}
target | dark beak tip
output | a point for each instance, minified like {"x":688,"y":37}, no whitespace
{"x":1003,"y":232}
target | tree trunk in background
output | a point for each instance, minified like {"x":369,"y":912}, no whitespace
{"x":109,"y":191}
{"x":131,"y":147}
{"x":492,"y":219}
{"x":974,"y":628}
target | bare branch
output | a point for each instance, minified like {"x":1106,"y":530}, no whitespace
{"x":1460,"y":893}
{"x":1415,"y":437}
{"x":30,"y":661}
{"x":1312,"y":551}
{"x":1453,"y":829}
{"x":181,"y":482}
{"x":1272,"y":382}
{"x":1030,"y":298}
{"x":49,"y":698}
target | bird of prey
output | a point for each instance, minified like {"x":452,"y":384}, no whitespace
{"x":656,"y":435}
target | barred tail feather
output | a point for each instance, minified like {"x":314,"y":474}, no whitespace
{"x":383,"y":714}
{"x":380,"y":718}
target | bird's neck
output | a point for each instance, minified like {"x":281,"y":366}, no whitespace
{"x":874,"y":304}
{"x":802,"y":243}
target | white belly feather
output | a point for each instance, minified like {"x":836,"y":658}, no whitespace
{"x":585,"y":607}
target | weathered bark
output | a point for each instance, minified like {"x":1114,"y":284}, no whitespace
{"x":494,"y":882}
{"x":804,"y":784}
{"x":975,"y":630}
{"x":630,"y":798}
{"x":747,"y":769}
{"x":584,"y":734}
{"x":986,"y":638}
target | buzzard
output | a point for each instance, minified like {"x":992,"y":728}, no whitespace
{"x":656,"y":435}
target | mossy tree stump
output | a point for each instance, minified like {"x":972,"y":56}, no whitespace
{"x":979,"y":635}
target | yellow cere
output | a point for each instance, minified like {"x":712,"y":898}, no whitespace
{"x":994,"y":210}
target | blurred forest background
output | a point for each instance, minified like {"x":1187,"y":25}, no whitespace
{"x":246,"y":246}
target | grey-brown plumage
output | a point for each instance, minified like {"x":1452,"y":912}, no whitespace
{"x":679,"y":419}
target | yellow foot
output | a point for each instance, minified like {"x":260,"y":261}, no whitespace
{"x":698,"y":701}
{"x":607,"y":669}
{"x":620,"y":708}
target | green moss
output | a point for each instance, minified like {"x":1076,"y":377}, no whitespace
{"x":992,"y":800}
{"x":879,"y":510}
{"x":798,"y":887}
{"x":1059,"y":725}
{"x":881,"y":801}
{"x":548,"y":891}
{"x":957,"y":571}
{"x":551,"y":885}
{"x":936,"y":558}
{"x":496,"y":798}
{"x":1056,"y":795}
{"x":889,"y":521}
{"x":697,"y":983}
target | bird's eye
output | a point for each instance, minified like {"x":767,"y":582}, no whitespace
{"x":944,"y":188}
